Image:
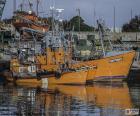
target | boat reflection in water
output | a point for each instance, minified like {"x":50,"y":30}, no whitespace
{"x":135,"y":93}
{"x":65,"y":100}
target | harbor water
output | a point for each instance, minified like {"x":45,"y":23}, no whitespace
{"x":99,"y":99}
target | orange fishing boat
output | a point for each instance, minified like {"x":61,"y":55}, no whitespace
{"x":106,"y":69}
{"x":52,"y":62}
{"x":112,"y":65}
{"x":30,"y":23}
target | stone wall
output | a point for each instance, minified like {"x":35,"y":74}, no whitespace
{"x":127,"y":36}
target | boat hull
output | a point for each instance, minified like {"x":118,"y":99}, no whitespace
{"x":67,"y":78}
{"x":114,"y":68}
{"x":70,"y":78}
{"x":10,"y":78}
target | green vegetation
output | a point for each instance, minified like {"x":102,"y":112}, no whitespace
{"x":132,"y":26}
{"x":73,"y":24}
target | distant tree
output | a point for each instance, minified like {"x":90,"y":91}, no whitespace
{"x":74,"y":22}
{"x":132,"y":26}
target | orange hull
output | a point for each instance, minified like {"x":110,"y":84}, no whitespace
{"x":31,"y":21}
{"x":67,"y":78}
{"x":28,"y":80}
{"x":70,"y":78}
{"x":32,"y":26}
{"x":113,"y":67}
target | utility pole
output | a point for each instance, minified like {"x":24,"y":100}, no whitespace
{"x":114,"y":20}
{"x":37,"y":7}
{"x":22,"y":5}
{"x":94,"y":19}
{"x":131,"y":13}
{"x":14,"y":5}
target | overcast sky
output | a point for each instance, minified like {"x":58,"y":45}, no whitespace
{"x":103,"y":9}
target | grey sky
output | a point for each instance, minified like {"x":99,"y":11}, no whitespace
{"x":103,"y":8}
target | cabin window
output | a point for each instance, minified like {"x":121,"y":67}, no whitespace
{"x":116,"y":60}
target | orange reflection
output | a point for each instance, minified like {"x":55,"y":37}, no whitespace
{"x":56,"y":98}
{"x":101,"y":95}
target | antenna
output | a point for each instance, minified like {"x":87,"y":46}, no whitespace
{"x":52,"y":4}
{"x":131,"y":13}
{"x":59,"y":11}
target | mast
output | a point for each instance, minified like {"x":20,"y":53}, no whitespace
{"x":94,"y":17}
{"x":30,"y":5}
{"x":37,"y":7}
{"x":79,"y":18}
{"x":114,"y":20}
{"x":22,"y":5}
{"x":14,"y":5}
{"x":52,"y":20}
{"x":131,"y":13}
{"x":101,"y":36}
{"x":2,"y":5}
{"x":78,"y":10}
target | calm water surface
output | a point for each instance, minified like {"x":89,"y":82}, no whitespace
{"x":61,"y":100}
